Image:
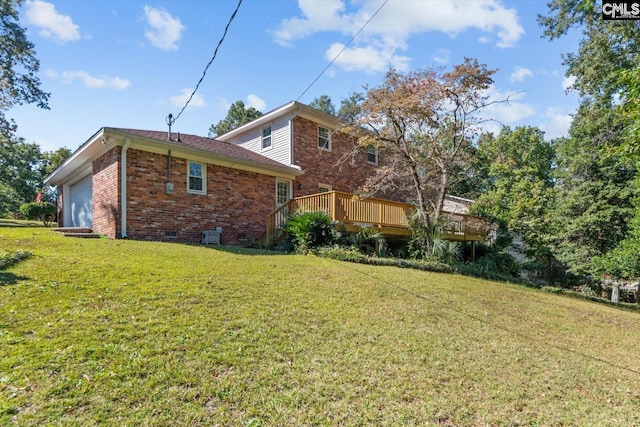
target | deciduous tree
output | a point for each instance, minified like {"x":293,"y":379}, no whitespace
{"x":18,"y":67}
{"x":323,"y":104}
{"x":422,"y":122}
{"x":237,"y":116}
{"x":515,"y":169}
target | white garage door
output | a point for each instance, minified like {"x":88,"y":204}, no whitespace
{"x":81,"y":202}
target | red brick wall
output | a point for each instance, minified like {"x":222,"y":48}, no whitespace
{"x":237,"y":201}
{"x":324,"y":167}
{"x":106,"y":193}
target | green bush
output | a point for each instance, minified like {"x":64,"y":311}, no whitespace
{"x":43,"y":211}
{"x":311,"y":230}
{"x":8,"y":259}
{"x":369,"y":241}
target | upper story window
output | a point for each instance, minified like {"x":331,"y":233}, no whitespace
{"x":372,"y":155}
{"x":324,"y":138}
{"x":266,"y":137}
{"x":196,"y":178}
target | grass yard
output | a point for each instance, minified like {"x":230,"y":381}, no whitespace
{"x":117,"y":332}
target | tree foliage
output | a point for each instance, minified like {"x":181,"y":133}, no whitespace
{"x":23,"y":168}
{"x":324,"y":104}
{"x":237,"y":116}
{"x":42,"y":211}
{"x":515,"y":171}
{"x":424,"y":123}
{"x":595,"y":172}
{"x":605,"y":48}
{"x":595,"y":190}
{"x":18,"y":67}
{"x":350,"y":108}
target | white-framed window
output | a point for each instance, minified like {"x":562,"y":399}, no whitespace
{"x":372,"y":155}
{"x":324,"y":188}
{"x":196,"y":182}
{"x":283,"y":191}
{"x":266,"y":138}
{"x":324,"y":138}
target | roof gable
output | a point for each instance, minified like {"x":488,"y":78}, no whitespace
{"x":291,"y":110}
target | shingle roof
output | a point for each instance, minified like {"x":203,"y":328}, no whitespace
{"x":207,"y":144}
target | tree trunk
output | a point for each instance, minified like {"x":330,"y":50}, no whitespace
{"x":442,"y":194}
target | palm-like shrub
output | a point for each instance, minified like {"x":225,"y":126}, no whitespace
{"x":311,"y":230}
{"x":369,"y":241}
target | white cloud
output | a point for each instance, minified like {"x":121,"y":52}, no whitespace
{"x":507,"y":108}
{"x":100,"y":81}
{"x":52,"y":25}
{"x":568,"y":82}
{"x":164,"y":30}
{"x":317,"y":16}
{"x":367,"y":59}
{"x":556,"y":123}
{"x":256,"y":102}
{"x":383,"y":37}
{"x":180,"y":100}
{"x":442,"y":56}
{"x":520,"y":74}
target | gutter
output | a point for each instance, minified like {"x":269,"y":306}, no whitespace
{"x":123,"y":189}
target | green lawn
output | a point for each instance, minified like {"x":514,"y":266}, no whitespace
{"x":117,"y":332}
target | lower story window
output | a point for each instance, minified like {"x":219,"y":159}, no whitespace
{"x":196,"y":182}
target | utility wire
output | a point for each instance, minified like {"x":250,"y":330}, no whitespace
{"x":450,"y":307}
{"x":172,"y":120}
{"x":343,"y":49}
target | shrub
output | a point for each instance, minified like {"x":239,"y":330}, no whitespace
{"x":369,"y":242}
{"x":311,"y":230}
{"x":43,"y":211}
{"x":8,"y":259}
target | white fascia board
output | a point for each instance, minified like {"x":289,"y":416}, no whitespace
{"x":80,"y":159}
{"x":260,"y":121}
{"x":293,"y":108}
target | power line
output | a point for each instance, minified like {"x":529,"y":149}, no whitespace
{"x":343,"y":49}
{"x":522,"y":335}
{"x":172,"y":120}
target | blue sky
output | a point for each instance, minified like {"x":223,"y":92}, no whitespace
{"x":129,"y":63}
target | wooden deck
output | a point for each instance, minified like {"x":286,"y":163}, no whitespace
{"x":389,"y":217}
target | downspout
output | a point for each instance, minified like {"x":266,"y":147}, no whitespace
{"x":123,"y":189}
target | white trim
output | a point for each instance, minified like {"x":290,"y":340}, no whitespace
{"x":123,"y":189}
{"x":325,"y":186}
{"x":204,"y":178}
{"x":66,"y":205}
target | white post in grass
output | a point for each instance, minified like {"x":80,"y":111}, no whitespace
{"x":615,"y":292}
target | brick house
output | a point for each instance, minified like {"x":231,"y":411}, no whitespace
{"x":127,"y":183}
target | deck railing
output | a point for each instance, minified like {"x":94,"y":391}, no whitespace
{"x":356,"y":210}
